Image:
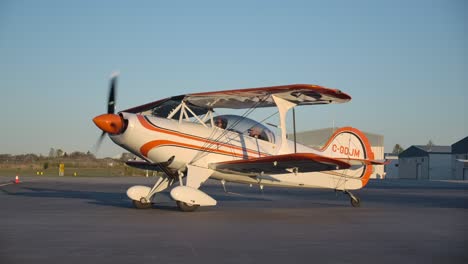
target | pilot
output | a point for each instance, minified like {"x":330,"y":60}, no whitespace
{"x":255,"y":132}
{"x":220,"y":122}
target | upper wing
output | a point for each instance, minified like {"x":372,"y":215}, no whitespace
{"x":300,"y":94}
{"x":296,"y":162}
{"x":200,"y":103}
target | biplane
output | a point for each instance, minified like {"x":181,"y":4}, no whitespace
{"x":182,"y":137}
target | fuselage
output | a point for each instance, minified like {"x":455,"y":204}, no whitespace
{"x":157,"y":140}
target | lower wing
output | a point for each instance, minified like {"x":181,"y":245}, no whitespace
{"x":279,"y":164}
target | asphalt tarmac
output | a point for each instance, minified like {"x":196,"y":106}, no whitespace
{"x":90,"y":220}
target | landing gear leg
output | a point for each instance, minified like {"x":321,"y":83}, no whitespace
{"x":161,"y":184}
{"x":183,"y":206}
{"x":355,"y":201}
{"x":187,"y":196}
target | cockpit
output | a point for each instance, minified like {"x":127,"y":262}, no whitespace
{"x":244,"y":126}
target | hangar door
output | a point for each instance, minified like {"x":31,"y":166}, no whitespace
{"x":418,"y":171}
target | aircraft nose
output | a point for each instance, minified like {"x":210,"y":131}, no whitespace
{"x":110,"y":123}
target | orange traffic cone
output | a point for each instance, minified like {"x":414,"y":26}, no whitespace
{"x":16,"y":181}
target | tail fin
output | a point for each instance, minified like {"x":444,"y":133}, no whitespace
{"x":351,"y":144}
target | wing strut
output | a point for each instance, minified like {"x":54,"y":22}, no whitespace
{"x":283,"y":107}
{"x":294,"y":129}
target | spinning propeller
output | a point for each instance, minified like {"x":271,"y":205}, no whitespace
{"x":109,"y":123}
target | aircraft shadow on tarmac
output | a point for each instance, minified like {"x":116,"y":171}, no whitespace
{"x":114,"y":199}
{"x":94,"y":197}
{"x":375,"y":196}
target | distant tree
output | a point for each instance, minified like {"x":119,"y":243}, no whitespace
{"x":59,"y":153}
{"x":52,"y":153}
{"x":430,"y":144}
{"x":29,"y":157}
{"x":77,"y":154}
{"x":127,"y":156}
{"x":90,"y":155}
{"x":397,"y":149}
{"x":5,"y":157}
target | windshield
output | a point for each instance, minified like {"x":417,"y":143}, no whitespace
{"x":245,"y":126}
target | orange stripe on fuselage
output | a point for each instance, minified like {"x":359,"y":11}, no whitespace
{"x":159,"y":143}
{"x":149,"y":126}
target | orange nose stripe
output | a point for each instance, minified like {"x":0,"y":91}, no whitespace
{"x":109,"y":123}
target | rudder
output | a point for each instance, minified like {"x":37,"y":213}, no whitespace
{"x":351,"y":143}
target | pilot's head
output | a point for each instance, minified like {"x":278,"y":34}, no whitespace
{"x":255,"y":131}
{"x":220,"y":122}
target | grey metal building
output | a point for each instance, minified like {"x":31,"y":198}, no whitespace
{"x":391,"y":169}
{"x":318,"y":138}
{"x":425,"y":162}
{"x":460,"y":160}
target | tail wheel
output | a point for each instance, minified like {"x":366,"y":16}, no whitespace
{"x":141,"y":205}
{"x":185,"y":207}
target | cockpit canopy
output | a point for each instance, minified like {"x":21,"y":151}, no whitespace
{"x":245,"y":126}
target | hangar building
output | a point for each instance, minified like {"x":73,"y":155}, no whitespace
{"x":460,"y":160}
{"x":425,"y":162}
{"x":391,"y":169}
{"x":318,"y":138}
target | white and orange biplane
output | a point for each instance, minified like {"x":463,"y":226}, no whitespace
{"x":182,"y":137}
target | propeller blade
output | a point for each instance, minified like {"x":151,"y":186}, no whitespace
{"x":112,"y":95}
{"x":110,"y":107}
{"x":97,"y":146}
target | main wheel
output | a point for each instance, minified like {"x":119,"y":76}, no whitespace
{"x":355,"y":202}
{"x":141,"y":205}
{"x":185,"y":207}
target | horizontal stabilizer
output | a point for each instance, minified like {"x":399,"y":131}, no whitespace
{"x":363,"y":162}
{"x":279,"y":164}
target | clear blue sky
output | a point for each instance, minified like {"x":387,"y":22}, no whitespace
{"x":405,"y":63}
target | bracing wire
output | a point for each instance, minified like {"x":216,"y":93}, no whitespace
{"x":209,"y":143}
